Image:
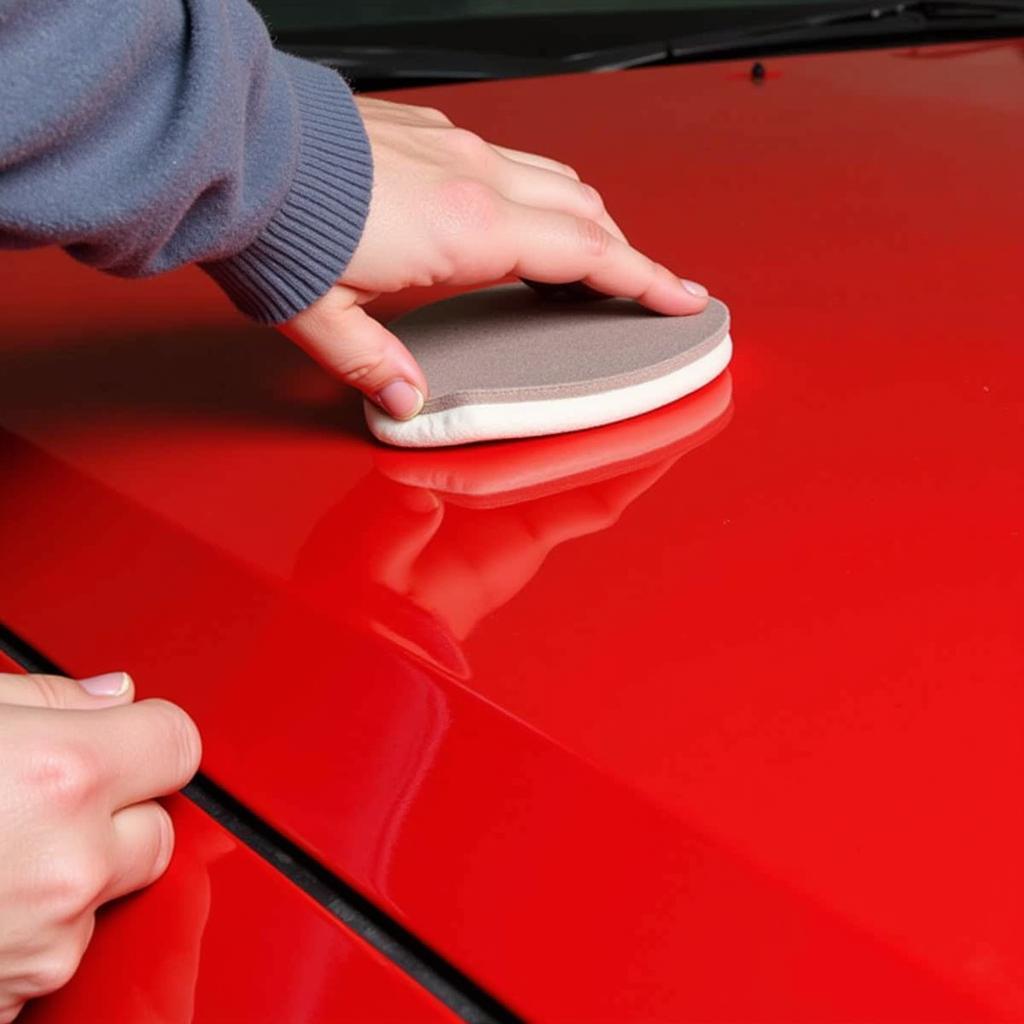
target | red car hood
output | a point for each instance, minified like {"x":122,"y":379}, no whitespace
{"x":711,"y":715}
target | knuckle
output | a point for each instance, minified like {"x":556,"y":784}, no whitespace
{"x":593,"y":238}
{"x":362,"y":368}
{"x":570,"y":171}
{"x":68,"y":775}
{"x":435,"y":115}
{"x":54,"y":970}
{"x":49,"y":688}
{"x":468,"y":206}
{"x":185,"y":744}
{"x":592,"y":198}
{"x":72,"y":885}
{"x":466,"y":145}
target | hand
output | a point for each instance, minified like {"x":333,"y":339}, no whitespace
{"x":79,"y":766}
{"x":449,"y":208}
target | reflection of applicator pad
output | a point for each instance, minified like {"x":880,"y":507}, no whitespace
{"x":504,"y":362}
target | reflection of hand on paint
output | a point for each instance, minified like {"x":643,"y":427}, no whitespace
{"x":432,"y":542}
{"x":463,"y":563}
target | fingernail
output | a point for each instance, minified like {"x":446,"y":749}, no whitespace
{"x":693,"y":288}
{"x":110,"y":684}
{"x":400,"y":399}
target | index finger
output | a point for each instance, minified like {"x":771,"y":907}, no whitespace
{"x":555,"y":247}
{"x":143,"y":750}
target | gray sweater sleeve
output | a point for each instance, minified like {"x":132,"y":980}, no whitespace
{"x":144,"y":134}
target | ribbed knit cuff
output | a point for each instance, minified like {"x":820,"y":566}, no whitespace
{"x":309,"y":240}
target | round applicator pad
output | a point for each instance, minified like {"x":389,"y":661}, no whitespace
{"x":504,"y":362}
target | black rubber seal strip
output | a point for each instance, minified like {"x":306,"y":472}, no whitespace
{"x":446,"y":983}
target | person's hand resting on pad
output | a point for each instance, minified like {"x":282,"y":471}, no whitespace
{"x":145,"y":135}
{"x":179,"y":135}
{"x":450,"y":208}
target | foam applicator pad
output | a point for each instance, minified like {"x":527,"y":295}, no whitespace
{"x":503,"y":362}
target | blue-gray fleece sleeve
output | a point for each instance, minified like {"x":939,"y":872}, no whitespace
{"x":144,"y":134}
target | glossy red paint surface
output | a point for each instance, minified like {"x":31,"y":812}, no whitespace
{"x":7,"y":665}
{"x":222,"y":937}
{"x":729,"y":729}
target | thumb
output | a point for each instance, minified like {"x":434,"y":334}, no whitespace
{"x":342,"y":337}
{"x":41,"y":691}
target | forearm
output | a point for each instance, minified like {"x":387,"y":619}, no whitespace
{"x":144,"y":134}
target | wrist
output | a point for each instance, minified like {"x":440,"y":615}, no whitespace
{"x":307,"y":242}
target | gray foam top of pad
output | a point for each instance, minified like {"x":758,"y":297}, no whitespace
{"x":508,"y":344}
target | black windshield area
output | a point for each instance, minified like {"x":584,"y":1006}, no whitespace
{"x":411,"y":42}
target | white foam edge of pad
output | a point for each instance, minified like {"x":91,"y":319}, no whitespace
{"x":492,"y":421}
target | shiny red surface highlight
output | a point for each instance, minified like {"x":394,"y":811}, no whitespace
{"x":732,"y":735}
{"x":223,"y":938}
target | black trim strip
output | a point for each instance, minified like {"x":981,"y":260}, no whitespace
{"x":446,"y":983}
